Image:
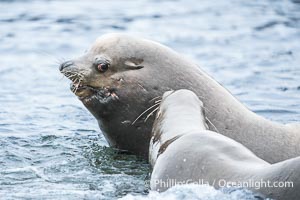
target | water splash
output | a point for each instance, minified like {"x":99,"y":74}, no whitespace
{"x":197,"y":192}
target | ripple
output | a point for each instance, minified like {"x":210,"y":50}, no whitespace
{"x":275,"y":111}
{"x":268,"y":25}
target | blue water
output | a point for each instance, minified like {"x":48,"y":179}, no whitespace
{"x":51,"y":146}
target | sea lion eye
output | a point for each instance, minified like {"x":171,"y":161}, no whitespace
{"x":102,"y":67}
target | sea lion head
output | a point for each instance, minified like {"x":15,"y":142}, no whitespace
{"x":99,"y":73}
{"x":114,"y":82}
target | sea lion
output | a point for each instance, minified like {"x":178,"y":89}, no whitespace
{"x":120,"y":76}
{"x":183,"y":151}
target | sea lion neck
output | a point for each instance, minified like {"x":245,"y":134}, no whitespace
{"x":186,"y":116}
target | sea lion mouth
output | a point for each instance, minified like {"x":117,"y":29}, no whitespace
{"x":81,"y":90}
{"x":88,"y":93}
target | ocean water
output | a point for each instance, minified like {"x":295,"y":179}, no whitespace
{"x":51,"y":146}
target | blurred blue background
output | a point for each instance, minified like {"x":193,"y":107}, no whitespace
{"x":51,"y":147}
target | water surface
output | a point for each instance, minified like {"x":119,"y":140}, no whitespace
{"x":51,"y":146}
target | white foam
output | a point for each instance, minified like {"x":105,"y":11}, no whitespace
{"x":193,"y":191}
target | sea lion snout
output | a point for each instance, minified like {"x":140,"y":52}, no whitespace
{"x":65,"y":64}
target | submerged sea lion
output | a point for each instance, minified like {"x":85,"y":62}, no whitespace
{"x":183,"y":151}
{"x":120,"y":77}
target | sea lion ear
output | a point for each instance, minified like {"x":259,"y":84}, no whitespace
{"x":132,"y":65}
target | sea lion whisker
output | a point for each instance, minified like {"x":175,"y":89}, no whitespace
{"x":141,"y":87}
{"x":60,"y":60}
{"x":158,"y":101}
{"x":77,"y":87}
{"x":216,"y":130}
{"x":53,"y":57}
{"x":144,"y":113}
{"x":71,"y":75}
{"x":155,"y":98}
{"x":73,"y":80}
{"x":151,"y":113}
{"x":74,"y":88}
{"x":66,"y":71}
{"x":206,"y":110}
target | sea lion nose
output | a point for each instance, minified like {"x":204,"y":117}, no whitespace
{"x":65,"y":65}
